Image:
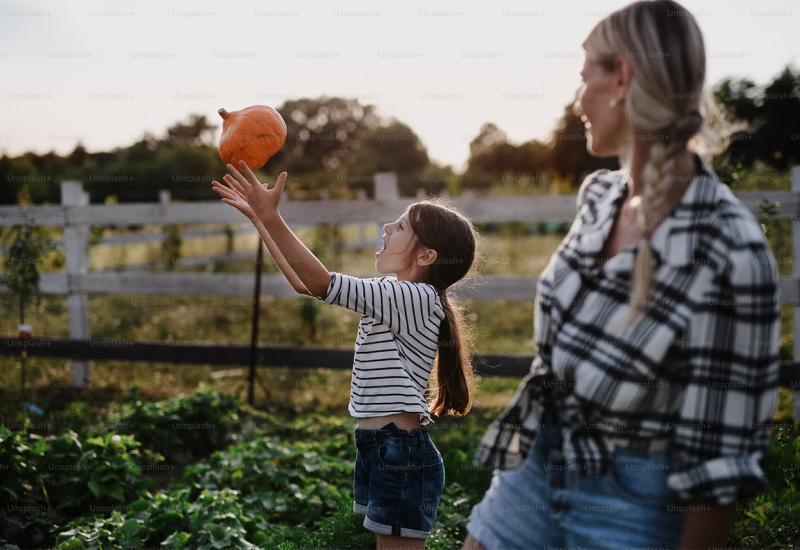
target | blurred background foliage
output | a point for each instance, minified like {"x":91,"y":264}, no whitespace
{"x":337,"y":144}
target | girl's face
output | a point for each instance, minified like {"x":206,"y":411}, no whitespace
{"x":398,"y":253}
{"x":604,"y":121}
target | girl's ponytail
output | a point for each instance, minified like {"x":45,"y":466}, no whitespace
{"x":454,"y":373}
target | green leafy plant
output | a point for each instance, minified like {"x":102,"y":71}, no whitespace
{"x":47,"y":480}
{"x":28,"y":246}
{"x":182,"y":428}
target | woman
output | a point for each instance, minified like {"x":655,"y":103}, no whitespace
{"x":649,"y":401}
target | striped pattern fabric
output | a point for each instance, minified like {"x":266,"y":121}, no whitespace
{"x":696,"y":377}
{"x":396,"y":343}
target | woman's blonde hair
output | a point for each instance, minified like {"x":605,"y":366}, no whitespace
{"x":663,"y":104}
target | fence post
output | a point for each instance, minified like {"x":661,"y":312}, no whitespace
{"x":76,"y":250}
{"x":795,"y":176}
{"x":385,"y":184}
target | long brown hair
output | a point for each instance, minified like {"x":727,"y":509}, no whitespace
{"x":441,"y":227}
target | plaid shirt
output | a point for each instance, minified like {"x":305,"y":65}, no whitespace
{"x":696,"y":377}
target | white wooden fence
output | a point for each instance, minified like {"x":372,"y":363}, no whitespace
{"x":76,"y":215}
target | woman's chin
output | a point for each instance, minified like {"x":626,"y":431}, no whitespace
{"x":596,"y":148}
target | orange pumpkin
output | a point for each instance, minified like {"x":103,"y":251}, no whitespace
{"x":253,"y":135}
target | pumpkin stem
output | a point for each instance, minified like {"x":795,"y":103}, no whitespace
{"x":223,"y":113}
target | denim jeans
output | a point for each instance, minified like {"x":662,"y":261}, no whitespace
{"x":398,"y":480}
{"x":546,"y":504}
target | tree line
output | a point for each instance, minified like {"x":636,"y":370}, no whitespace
{"x":337,"y":144}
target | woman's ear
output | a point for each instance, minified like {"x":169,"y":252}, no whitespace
{"x":624,"y":74}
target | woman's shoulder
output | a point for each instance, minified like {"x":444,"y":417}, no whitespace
{"x":740,"y":224}
{"x":743,"y":239}
{"x":734,"y":232}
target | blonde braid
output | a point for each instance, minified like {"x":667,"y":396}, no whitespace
{"x":658,"y":175}
{"x":656,"y":181}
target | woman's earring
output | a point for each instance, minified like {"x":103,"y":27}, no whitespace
{"x":612,"y":102}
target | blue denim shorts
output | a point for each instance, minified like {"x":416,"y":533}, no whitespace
{"x":548,"y":504}
{"x":398,"y":480}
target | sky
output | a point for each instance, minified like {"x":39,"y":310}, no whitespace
{"x":103,"y":73}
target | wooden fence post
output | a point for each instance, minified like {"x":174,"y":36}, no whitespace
{"x":76,"y":250}
{"x":795,"y":176}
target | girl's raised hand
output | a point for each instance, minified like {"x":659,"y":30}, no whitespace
{"x":248,"y":195}
{"x":232,"y":197}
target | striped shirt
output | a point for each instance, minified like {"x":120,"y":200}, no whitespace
{"x":695,"y":377}
{"x":396,"y":343}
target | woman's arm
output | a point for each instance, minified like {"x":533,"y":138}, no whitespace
{"x":725,"y":411}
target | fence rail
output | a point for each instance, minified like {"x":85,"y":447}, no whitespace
{"x":273,"y":356}
{"x":75,"y":215}
{"x":559,"y":208}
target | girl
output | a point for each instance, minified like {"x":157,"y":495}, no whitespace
{"x":406,"y":321}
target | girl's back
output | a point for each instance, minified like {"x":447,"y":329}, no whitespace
{"x":396,"y":344}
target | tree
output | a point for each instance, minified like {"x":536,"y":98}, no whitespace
{"x":391,"y":147}
{"x":533,"y":163}
{"x":488,"y":136}
{"x":772,"y":117}
{"x":197,"y":132}
{"x":321,"y":133}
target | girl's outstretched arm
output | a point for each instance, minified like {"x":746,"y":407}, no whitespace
{"x":309,"y":269}
{"x":280,"y":260}
{"x":264,"y":204}
{"x":236,"y":200}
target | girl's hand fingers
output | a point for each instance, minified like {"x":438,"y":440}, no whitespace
{"x":224,"y":192}
{"x":251,"y":177}
{"x":223,"y":195}
{"x":239,"y":177}
{"x":244,"y":208}
{"x":234,"y":184}
{"x":280,"y":182}
{"x":235,"y":204}
{"x":220,"y":189}
{"x":232,"y":192}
